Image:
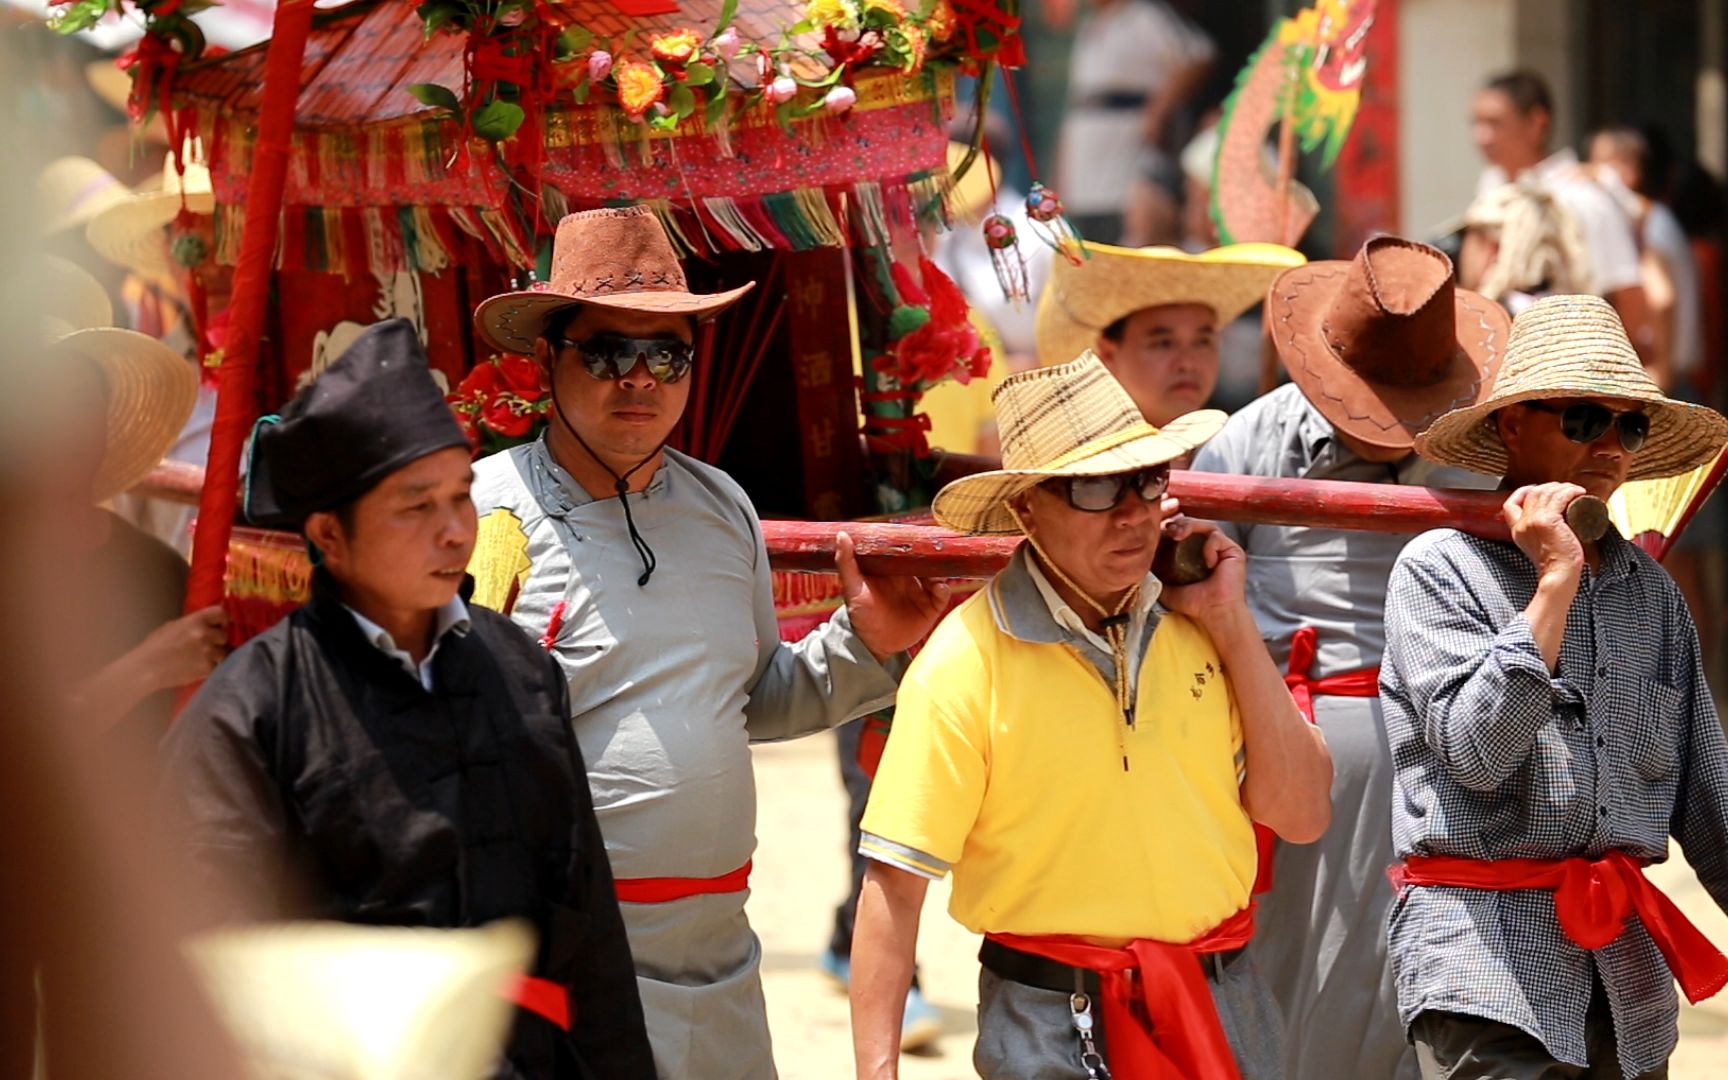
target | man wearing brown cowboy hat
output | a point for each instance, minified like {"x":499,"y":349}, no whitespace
{"x":1552,"y":729}
{"x":1088,"y":764}
{"x":1376,"y":347}
{"x":1155,"y":315}
{"x":645,"y":573}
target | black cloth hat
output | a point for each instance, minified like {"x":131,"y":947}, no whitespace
{"x":371,"y":412}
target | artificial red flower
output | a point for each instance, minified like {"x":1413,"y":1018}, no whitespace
{"x":520,"y":375}
{"x":639,"y":87}
{"x":509,"y":416}
{"x":677,"y":47}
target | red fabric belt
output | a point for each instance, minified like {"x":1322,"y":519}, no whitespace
{"x":1592,"y":901}
{"x":661,"y":890}
{"x":1159,"y":1019}
{"x":1363,"y":683}
{"x":542,"y":997}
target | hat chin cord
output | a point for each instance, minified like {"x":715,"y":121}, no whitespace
{"x":620,"y":484}
{"x":1115,"y":626}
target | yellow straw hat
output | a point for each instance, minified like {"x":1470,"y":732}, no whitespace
{"x":1081,"y":301}
{"x":150,"y":388}
{"x":1575,"y":346}
{"x":1073,"y":419}
{"x":72,"y":190}
{"x":129,"y":232}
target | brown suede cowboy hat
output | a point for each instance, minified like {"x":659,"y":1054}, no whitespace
{"x":1383,"y":344}
{"x":614,"y":257}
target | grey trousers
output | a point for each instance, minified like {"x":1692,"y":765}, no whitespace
{"x":1454,"y":1046}
{"x":1026,"y":1033}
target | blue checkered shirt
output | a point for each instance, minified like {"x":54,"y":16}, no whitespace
{"x":1495,"y":758}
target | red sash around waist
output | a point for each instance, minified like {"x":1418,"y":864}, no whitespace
{"x":542,"y":997}
{"x":1592,"y":901}
{"x":1363,"y":683}
{"x":1159,"y":1020}
{"x":661,"y":890}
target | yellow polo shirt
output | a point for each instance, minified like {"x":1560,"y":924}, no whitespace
{"x":1005,"y":766}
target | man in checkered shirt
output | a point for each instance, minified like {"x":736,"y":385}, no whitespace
{"x":1550,"y":729}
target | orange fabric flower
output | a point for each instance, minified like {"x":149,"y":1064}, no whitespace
{"x":639,"y":87}
{"x":677,"y":47}
{"x":891,"y":8}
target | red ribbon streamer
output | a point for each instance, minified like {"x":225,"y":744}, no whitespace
{"x":662,"y":890}
{"x":1363,"y":683}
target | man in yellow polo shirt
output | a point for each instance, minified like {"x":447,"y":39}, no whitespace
{"x":1086,"y":750}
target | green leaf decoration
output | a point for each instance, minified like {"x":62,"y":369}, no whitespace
{"x":581,"y":92}
{"x":681,"y":100}
{"x":80,"y":16}
{"x":783,"y":116}
{"x":576,"y":39}
{"x":498,"y":120}
{"x":698,"y":74}
{"x":716,"y":108}
{"x":439,"y":97}
{"x":728,"y":11}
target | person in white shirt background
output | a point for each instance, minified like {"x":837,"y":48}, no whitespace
{"x":1512,"y":125}
{"x":1135,"y":64}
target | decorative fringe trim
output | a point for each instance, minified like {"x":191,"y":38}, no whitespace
{"x":355,"y":241}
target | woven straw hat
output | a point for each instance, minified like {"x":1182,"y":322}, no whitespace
{"x":1073,"y":419}
{"x":72,"y":190}
{"x":618,"y":257}
{"x":129,"y":232}
{"x":151,"y":389}
{"x":1575,"y":346}
{"x":1081,"y":301}
{"x":75,"y":300}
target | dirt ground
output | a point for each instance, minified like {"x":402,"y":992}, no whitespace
{"x":801,"y":874}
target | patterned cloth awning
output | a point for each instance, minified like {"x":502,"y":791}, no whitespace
{"x":378,"y":181}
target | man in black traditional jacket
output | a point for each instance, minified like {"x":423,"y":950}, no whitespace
{"x":386,"y":754}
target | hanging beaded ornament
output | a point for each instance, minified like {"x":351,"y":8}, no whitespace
{"x":1003,"y":240}
{"x":1044,"y":208}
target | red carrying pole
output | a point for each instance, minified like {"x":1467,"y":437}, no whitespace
{"x":236,"y":407}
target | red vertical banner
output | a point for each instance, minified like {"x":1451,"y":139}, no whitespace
{"x":1366,"y":179}
{"x":821,"y":340}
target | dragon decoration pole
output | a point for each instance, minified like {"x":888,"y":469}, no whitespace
{"x":1307,"y":80}
{"x":236,"y":406}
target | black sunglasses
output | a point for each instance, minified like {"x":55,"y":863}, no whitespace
{"x":613,"y":356}
{"x":1586,"y":421}
{"x":1099,"y":494}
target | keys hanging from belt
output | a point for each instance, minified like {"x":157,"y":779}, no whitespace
{"x":1080,"y":1005}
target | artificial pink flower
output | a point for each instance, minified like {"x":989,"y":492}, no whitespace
{"x":782,"y":90}
{"x":727,"y":43}
{"x":599,"y":65}
{"x":840,"y":99}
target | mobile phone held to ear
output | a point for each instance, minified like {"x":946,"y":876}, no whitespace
{"x":1181,"y":562}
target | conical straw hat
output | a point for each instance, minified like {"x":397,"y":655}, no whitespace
{"x":1574,"y":346}
{"x":72,"y":190}
{"x":129,"y":232}
{"x":1073,"y":419}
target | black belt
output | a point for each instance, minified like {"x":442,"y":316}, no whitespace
{"x":1036,"y":971}
{"x":1029,"y":970}
{"x":1121,"y":100}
